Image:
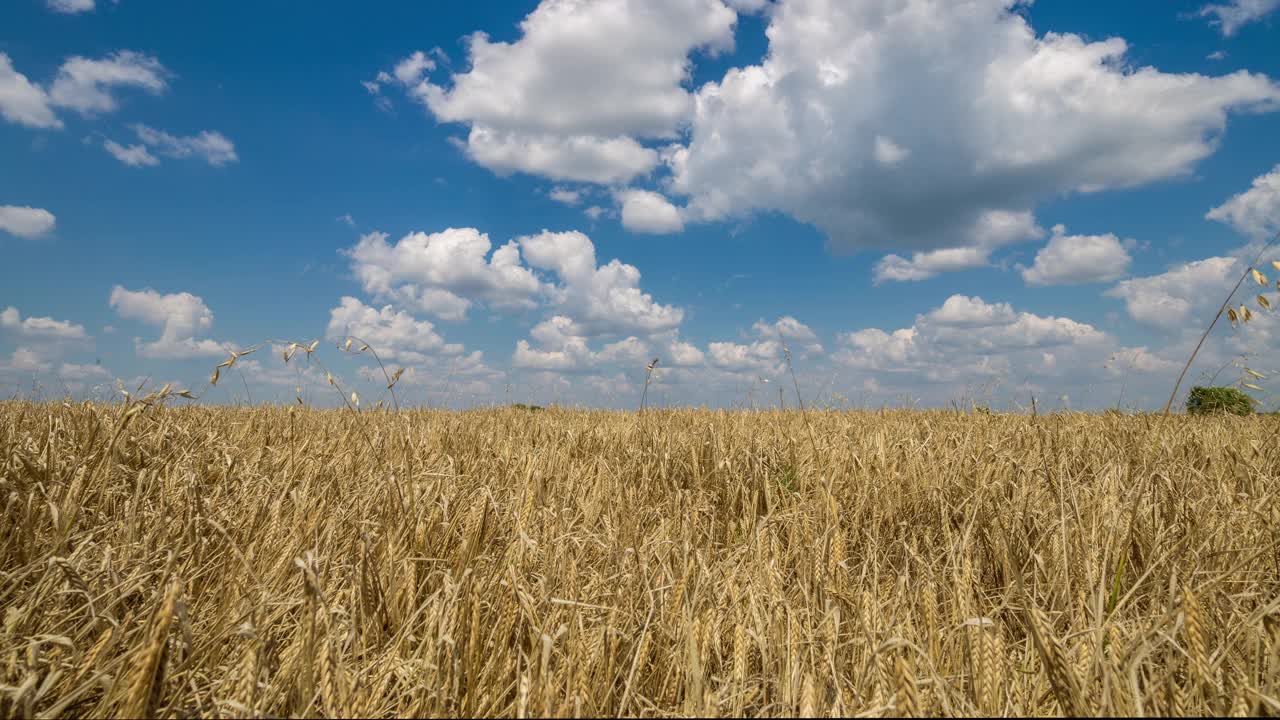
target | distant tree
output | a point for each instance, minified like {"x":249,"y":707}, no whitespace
{"x":1213,"y":400}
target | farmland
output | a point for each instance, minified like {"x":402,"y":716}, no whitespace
{"x":255,"y":561}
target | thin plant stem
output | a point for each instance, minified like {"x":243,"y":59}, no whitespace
{"x":1173,"y":395}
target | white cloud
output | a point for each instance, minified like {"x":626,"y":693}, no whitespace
{"x":43,"y":328}
{"x":556,"y":346}
{"x":1238,"y":13}
{"x":968,"y":339}
{"x":791,"y":332}
{"x":594,"y":212}
{"x":604,"y":299}
{"x":924,"y":265}
{"x":22,"y":101}
{"x":889,"y":153}
{"x":181,"y":316}
{"x":82,"y":372}
{"x":26,"y":222}
{"x":565,"y":196}
{"x":677,"y":353}
{"x":1166,"y":300}
{"x":25,"y":358}
{"x":761,"y":356}
{"x":569,"y":98}
{"x":70,"y":7}
{"x":443,"y":273}
{"x":393,"y":334}
{"x":133,"y":155}
{"x":993,"y":126}
{"x":1078,"y":259}
{"x":583,"y":158}
{"x":648,"y":212}
{"x":962,"y":310}
{"x":211,"y":146}
{"x":86,"y":85}
{"x":992,"y":229}
{"x":1256,"y":211}
{"x":413,"y":69}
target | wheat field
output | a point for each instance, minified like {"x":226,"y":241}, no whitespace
{"x":203,"y":561}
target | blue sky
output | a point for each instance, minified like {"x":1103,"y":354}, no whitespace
{"x":924,"y":201}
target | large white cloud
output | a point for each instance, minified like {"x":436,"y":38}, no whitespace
{"x":180,"y":316}
{"x":901,"y":125}
{"x":446,"y":273}
{"x":1078,"y":259}
{"x":1256,"y":211}
{"x":26,"y":222}
{"x":570,"y":98}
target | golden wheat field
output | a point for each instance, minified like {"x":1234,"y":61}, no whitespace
{"x":226,"y":561}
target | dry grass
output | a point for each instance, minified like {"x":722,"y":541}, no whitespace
{"x":238,"y":562}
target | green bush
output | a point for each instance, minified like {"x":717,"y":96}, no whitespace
{"x":1211,"y":400}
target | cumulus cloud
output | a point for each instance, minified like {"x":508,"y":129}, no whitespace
{"x":1078,"y":259}
{"x":556,"y":346}
{"x":82,"y":84}
{"x":968,"y":339}
{"x":1232,"y":16}
{"x":210,"y":146}
{"x":924,"y":265}
{"x":1256,"y":211}
{"x":761,"y":356}
{"x":180,"y":316}
{"x":581,"y":157}
{"x":601,"y":299}
{"x":648,"y":212}
{"x":41,"y":328}
{"x":790,"y":331}
{"x":881,"y":125}
{"x":584,"y":82}
{"x":394,"y":335}
{"x":993,"y":229}
{"x":26,"y":222}
{"x":444,"y":273}
{"x":1166,"y":300}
